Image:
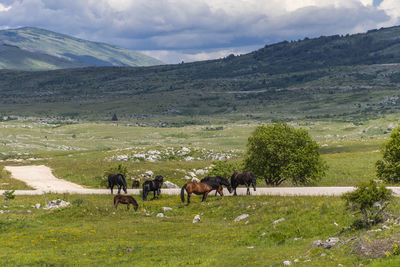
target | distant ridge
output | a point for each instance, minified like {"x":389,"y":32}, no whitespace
{"x":30,"y":48}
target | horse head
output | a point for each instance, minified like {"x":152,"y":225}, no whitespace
{"x":224,"y":181}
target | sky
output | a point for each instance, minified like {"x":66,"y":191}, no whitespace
{"x":191,"y":30}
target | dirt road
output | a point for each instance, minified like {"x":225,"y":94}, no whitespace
{"x":41,"y":178}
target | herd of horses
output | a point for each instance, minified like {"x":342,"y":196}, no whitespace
{"x":204,"y":187}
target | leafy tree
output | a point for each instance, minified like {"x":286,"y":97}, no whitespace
{"x":114,"y":117}
{"x":388,"y":169}
{"x":225,"y":168}
{"x":370,"y":200}
{"x":279,"y":152}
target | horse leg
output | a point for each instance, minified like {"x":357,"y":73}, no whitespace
{"x":112,"y":187}
{"x":248,"y":189}
{"x":220,"y":191}
{"x":205,"y":196}
{"x":119,"y":189}
{"x":188,"y":198}
{"x":234,"y":191}
{"x":116,"y":203}
{"x":127,"y":206}
{"x":154,"y":194}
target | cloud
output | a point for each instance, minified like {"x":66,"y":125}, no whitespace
{"x":203,"y":27}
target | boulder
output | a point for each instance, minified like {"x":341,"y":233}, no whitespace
{"x":160,"y":215}
{"x":166,"y":209}
{"x":241,"y":217}
{"x":195,"y":180}
{"x":56,"y":204}
{"x":168,"y":184}
{"x":196,"y":219}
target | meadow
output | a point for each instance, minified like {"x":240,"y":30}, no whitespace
{"x":91,"y":231}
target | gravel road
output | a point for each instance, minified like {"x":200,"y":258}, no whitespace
{"x":41,"y":178}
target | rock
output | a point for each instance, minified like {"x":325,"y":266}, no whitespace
{"x":323,"y":254}
{"x":56,"y":204}
{"x":241,"y":217}
{"x":330,"y":242}
{"x":287,"y":263}
{"x":192,"y":174}
{"x":168,"y":184}
{"x":263,"y":234}
{"x":296,"y":260}
{"x":148,"y":174}
{"x":166,"y":208}
{"x":335,"y":223}
{"x":37,"y":206}
{"x":200,"y":172}
{"x":384,"y":227}
{"x":278,"y":221}
{"x":29,"y":211}
{"x":160,"y":215}
{"x":187,"y":177}
{"x":250,"y":247}
{"x":188,"y":158}
{"x":196,"y":219}
{"x":129,"y":249}
{"x":195,"y":180}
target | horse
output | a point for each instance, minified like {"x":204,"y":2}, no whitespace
{"x":216,"y":182}
{"x":118,"y":180}
{"x":125,"y":200}
{"x":245,"y":178}
{"x":154,"y":186}
{"x":135,"y":184}
{"x":198,"y":189}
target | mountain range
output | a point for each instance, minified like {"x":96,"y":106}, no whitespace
{"x":31,"y":48}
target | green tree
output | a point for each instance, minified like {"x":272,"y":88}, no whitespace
{"x":279,"y":152}
{"x":225,"y":168}
{"x":388,"y":169}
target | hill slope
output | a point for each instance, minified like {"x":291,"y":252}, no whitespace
{"x":52,"y":50}
{"x":342,"y":77}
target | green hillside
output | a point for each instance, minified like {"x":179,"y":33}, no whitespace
{"x":44,"y":50}
{"x":352,"y":77}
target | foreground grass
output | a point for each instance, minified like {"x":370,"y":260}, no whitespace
{"x":92,"y":232}
{"x":7,"y":183}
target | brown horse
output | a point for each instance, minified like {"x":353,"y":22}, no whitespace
{"x":125,"y":200}
{"x":198,"y":189}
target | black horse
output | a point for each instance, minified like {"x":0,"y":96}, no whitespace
{"x":245,"y":178}
{"x":118,"y":180}
{"x":216,"y":182}
{"x":154,"y":186}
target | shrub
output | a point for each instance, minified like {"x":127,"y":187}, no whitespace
{"x":279,"y":152}
{"x":115,"y":170}
{"x":370,"y":200}
{"x":388,"y":169}
{"x":9,"y":194}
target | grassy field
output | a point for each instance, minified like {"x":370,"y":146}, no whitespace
{"x":82,"y":152}
{"x":92,"y":232}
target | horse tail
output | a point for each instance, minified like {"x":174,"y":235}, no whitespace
{"x":183,"y":192}
{"x":144,"y":190}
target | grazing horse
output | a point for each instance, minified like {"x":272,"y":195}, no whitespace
{"x":154,"y":186}
{"x":245,"y":178}
{"x":196,"y":188}
{"x":217,"y":182}
{"x":118,"y":180}
{"x":135,"y":184}
{"x":125,"y":200}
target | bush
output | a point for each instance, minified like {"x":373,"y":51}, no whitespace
{"x":279,"y":152}
{"x":225,"y":168}
{"x":115,"y":170}
{"x":370,"y":200}
{"x":388,"y":169}
{"x":9,"y":194}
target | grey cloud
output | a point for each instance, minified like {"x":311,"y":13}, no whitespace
{"x":161,"y":25}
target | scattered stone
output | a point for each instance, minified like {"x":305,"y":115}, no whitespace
{"x":29,"y":211}
{"x":246,"y":222}
{"x":129,"y":249}
{"x":297,"y":238}
{"x":263,"y":234}
{"x":166,"y":208}
{"x":376,"y":230}
{"x":278,"y":221}
{"x":384,"y":227}
{"x":37,"y":205}
{"x":56,"y":204}
{"x":188,"y":158}
{"x":335,"y":223}
{"x":196,"y":219}
{"x":323,"y":254}
{"x":192,"y":174}
{"x":287,"y":263}
{"x":250,"y":247}
{"x":241,"y":217}
{"x":148,"y":174}
{"x":187,"y":177}
{"x":5,"y":206}
{"x":160,"y":215}
{"x":330,"y":242}
{"x":200,"y":172}
{"x":195,"y":180}
{"x":168,"y":184}
{"x":296,"y":260}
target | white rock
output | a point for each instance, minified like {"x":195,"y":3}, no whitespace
{"x":287,"y":263}
{"x":168,"y":184}
{"x":56,"y":204}
{"x":160,"y":215}
{"x":148,"y":174}
{"x":250,"y":247}
{"x":37,"y":205}
{"x":196,"y":219}
{"x":195,"y":180}
{"x":192,"y":174}
{"x":166,"y":208}
{"x":323,"y":254}
{"x":241,"y":217}
{"x":278,"y":221}
{"x":335,"y":223}
{"x":200,"y":172}
{"x":29,"y":211}
{"x":188,"y":158}
{"x":296,"y":260}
